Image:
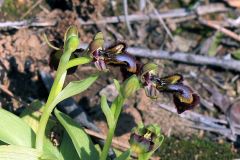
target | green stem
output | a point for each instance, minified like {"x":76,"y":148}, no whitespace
{"x":108,"y":143}
{"x":56,"y":88}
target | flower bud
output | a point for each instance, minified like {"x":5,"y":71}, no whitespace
{"x":97,"y":43}
{"x":130,"y":86}
{"x":72,"y":44}
{"x":71,"y":39}
{"x":72,"y":31}
{"x":145,"y":139}
{"x":149,"y":68}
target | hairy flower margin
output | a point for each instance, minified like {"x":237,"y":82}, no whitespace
{"x":183,"y":96}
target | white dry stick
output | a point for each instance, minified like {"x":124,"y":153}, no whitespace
{"x":125,"y":6}
{"x":27,"y":23}
{"x":161,"y":20}
{"x":142,"y":4}
{"x":174,"y":13}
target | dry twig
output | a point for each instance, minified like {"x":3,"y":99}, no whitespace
{"x":174,"y":13}
{"x":190,"y":58}
{"x":31,"y":8}
{"x":161,"y":20}
{"x":125,"y":6}
{"x":27,"y":23}
{"x":115,"y":142}
{"x":221,"y":29}
{"x":206,"y":123}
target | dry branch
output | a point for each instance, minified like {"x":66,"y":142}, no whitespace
{"x":190,"y":58}
{"x":27,"y":23}
{"x":31,"y":8}
{"x":115,"y":142}
{"x":175,"y":13}
{"x":204,"y":122}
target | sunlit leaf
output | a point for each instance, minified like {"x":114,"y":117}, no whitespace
{"x":75,"y":87}
{"x":82,"y":142}
{"x":117,"y":86}
{"x":107,"y":111}
{"x":124,"y":156}
{"x":31,"y":115}
{"x":12,"y":152}
{"x":15,"y":131}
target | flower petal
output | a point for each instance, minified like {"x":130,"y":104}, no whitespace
{"x":117,"y":48}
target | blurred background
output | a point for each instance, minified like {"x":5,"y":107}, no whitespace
{"x":196,"y":38}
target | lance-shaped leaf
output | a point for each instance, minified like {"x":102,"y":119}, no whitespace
{"x":107,"y":111}
{"x":75,"y":87}
{"x":15,"y":131}
{"x":81,"y":141}
{"x":12,"y":152}
{"x":31,"y":116}
{"x":124,"y":156}
{"x":66,"y":146}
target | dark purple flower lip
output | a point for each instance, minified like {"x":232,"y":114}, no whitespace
{"x":123,"y":59}
{"x":183,"y":106}
{"x":183,"y":96}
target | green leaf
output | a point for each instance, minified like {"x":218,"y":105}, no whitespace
{"x":66,"y":146}
{"x":107,"y":112}
{"x":130,"y":86}
{"x":31,"y":116}
{"x":75,"y":87}
{"x":124,"y":156}
{"x":78,"y":61}
{"x":15,"y":131}
{"x":236,"y":54}
{"x":117,"y":105}
{"x":117,"y":85}
{"x":12,"y":152}
{"x":82,"y":142}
